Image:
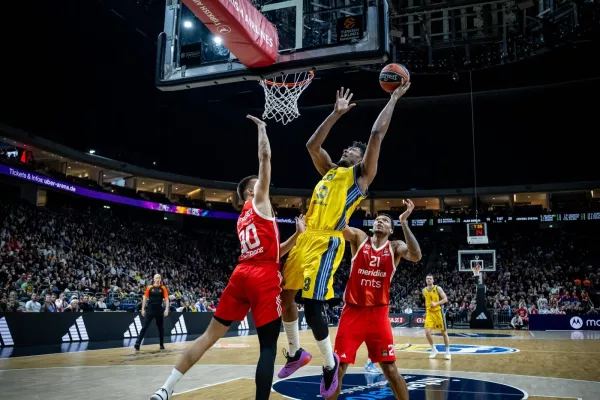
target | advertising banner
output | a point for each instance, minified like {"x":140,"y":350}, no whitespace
{"x":94,"y":194}
{"x":400,"y":320}
{"x":417,"y":320}
{"x":38,"y":329}
{"x":197,"y":212}
{"x":23,"y":329}
{"x":545,"y":322}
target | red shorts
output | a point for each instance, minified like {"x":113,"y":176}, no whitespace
{"x":365,"y":324}
{"x":255,"y":287}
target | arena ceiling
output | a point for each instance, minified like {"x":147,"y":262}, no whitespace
{"x":85,"y":78}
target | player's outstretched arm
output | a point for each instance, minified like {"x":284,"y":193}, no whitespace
{"x":286,"y":246}
{"x":380,"y":128}
{"x":409,"y":250}
{"x":261,"y":194}
{"x":320,"y":157}
{"x":355,"y":237}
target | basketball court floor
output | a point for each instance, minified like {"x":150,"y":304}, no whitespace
{"x":484,"y":365}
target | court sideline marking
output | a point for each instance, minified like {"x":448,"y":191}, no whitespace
{"x":209,"y":385}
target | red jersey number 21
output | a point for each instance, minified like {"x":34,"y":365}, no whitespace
{"x":249,"y":238}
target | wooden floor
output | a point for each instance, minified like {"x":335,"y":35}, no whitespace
{"x":543,"y":364}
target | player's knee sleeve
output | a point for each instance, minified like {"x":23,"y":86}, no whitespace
{"x":313,"y":311}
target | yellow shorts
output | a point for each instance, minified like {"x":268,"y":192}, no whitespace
{"x":435,"y":320}
{"x":313,"y":262}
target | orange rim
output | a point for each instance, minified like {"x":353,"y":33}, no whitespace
{"x":311,"y":75}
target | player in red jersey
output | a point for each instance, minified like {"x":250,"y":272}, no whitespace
{"x":367,"y":297}
{"x":255,"y":283}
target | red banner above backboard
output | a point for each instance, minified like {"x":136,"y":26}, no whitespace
{"x":243,"y":29}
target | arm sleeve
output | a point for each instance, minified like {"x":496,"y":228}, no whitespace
{"x":165,"y":292}
{"x":147,"y":292}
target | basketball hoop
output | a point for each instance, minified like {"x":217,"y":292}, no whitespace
{"x":476,"y":269}
{"x":282,"y":94}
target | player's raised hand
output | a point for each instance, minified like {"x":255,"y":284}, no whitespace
{"x":410,"y":206}
{"x":342,"y":102}
{"x":300,"y":224}
{"x":400,"y":91}
{"x":259,"y":122}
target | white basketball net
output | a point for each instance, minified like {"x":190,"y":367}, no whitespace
{"x":282,"y":94}
{"x":476,"y":269}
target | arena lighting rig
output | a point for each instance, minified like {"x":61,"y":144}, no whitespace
{"x":455,"y":36}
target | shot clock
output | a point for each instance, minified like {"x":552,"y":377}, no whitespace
{"x":477,"y":233}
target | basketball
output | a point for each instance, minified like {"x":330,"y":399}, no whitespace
{"x":392,"y":76}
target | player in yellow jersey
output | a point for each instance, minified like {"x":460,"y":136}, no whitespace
{"x":434,"y":318}
{"x":319,"y":251}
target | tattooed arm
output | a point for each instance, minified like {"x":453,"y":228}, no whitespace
{"x":410,"y":249}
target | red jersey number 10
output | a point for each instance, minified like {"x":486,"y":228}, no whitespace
{"x":249,"y":238}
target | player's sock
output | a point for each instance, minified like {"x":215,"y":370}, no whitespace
{"x":293,"y":336}
{"x":172,"y":380}
{"x":433,"y":352}
{"x":447,"y":350}
{"x":326,"y":352}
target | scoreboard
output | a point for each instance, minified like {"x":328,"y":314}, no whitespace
{"x":477,"y":233}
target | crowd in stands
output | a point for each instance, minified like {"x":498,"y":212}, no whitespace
{"x":66,"y":259}
{"x":69,"y":260}
{"x":538,"y":272}
{"x":97,"y":259}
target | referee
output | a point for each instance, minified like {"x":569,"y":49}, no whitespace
{"x":153,"y":297}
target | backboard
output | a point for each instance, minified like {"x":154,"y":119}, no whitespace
{"x":313,"y":35}
{"x":484,"y":258}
